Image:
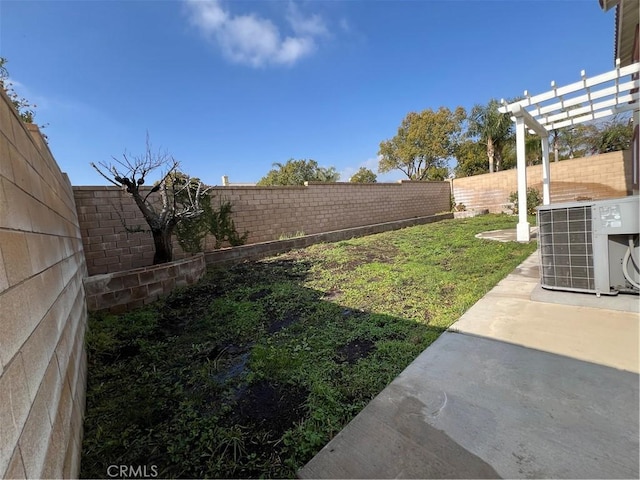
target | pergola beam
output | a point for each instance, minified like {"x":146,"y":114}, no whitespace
{"x":581,"y":85}
{"x":601,"y":101}
{"x":529,"y":120}
{"x":594,"y":116}
{"x":592,"y":108}
{"x":577,"y":101}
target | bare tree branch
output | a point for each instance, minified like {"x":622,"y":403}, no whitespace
{"x":103,"y":175}
{"x":179,"y":194}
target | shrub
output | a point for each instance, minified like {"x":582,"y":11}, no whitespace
{"x":223,"y":228}
{"x":191,"y":232}
{"x":218,"y":223}
{"x":534,"y":199}
{"x":456,"y":207}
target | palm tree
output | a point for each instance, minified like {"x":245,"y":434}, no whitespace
{"x":554,"y":136}
{"x":493,"y":129}
{"x":533,"y":149}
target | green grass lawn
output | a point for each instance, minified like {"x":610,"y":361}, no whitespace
{"x":253,"y":370}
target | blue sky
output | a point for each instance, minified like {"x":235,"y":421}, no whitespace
{"x":230,"y":87}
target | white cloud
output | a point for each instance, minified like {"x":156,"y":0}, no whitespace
{"x":253,"y":40}
{"x":301,"y":25}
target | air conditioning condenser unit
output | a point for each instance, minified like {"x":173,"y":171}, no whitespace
{"x":590,"y":246}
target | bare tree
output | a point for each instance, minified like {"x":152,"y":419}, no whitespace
{"x":179,"y":200}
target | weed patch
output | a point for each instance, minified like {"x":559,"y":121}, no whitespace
{"x":253,"y":370}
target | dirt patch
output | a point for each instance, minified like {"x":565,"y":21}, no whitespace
{"x":234,"y":367}
{"x":272,"y":407}
{"x":355,"y":350}
{"x":124,"y":352}
{"x":379,"y":253}
{"x":269,"y":271}
{"x":201,"y":292}
{"x":332,"y":294}
{"x":447,"y":293}
{"x":445,"y":264}
{"x":356,"y":255}
{"x":184,"y":306}
{"x":427,"y":317}
{"x":172,"y":323}
{"x":287,"y":320}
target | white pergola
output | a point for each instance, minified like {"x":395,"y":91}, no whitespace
{"x":588,"y":99}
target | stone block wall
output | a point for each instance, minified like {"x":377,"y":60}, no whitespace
{"x":270,"y":212}
{"x":267,"y":213}
{"x":257,"y":251}
{"x":42,"y":309}
{"x":121,"y":291}
{"x":102,"y":212}
{"x":595,"y":177}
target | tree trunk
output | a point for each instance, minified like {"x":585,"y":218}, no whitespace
{"x":163,"y":245}
{"x":490,"y":153}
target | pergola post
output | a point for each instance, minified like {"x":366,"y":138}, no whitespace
{"x":522,"y":230}
{"x":546,"y":174}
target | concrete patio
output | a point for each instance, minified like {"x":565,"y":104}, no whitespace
{"x":516,"y":388}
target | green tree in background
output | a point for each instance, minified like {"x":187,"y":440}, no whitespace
{"x":296,"y":172}
{"x":573,"y":141}
{"x":554,"y":143}
{"x":491,"y":128}
{"x":471,"y":159}
{"x":423,"y":143}
{"x":557,"y":136}
{"x":494,"y":132}
{"x":611,"y":136}
{"x":364,"y":175}
{"x":437,"y":173}
{"x":533,"y":149}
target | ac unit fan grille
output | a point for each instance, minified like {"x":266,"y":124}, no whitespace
{"x":566,"y":249}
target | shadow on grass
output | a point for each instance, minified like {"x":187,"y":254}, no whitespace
{"x":246,"y":374}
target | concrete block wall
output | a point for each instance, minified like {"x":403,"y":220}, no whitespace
{"x":108,"y":246}
{"x":595,"y":177}
{"x":121,"y":291}
{"x":267,"y":213}
{"x":42,"y":309}
{"x":270,"y":212}
{"x":257,"y":251}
